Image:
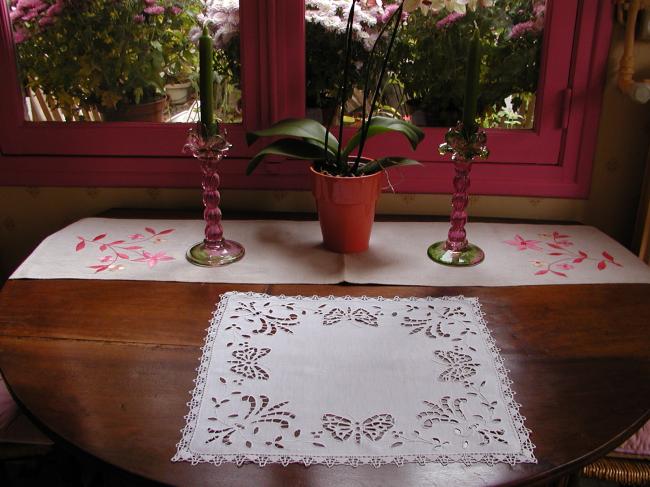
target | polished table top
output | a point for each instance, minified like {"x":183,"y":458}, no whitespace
{"x":107,"y":366}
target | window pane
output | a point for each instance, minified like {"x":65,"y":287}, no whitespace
{"x":123,"y":60}
{"x":426,"y":76}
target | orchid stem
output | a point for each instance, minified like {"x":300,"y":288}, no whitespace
{"x":364,"y":128}
{"x":367,"y":83}
{"x":348,"y":45}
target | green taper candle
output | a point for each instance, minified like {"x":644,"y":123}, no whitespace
{"x":206,"y":82}
{"x":472,"y":74}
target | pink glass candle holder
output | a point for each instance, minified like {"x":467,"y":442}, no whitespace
{"x":214,"y":250}
{"x":456,"y":250}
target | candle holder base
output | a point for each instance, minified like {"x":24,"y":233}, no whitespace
{"x":468,"y":256}
{"x":224,"y":253}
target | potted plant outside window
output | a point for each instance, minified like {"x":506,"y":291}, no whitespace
{"x":325,"y":48}
{"x":426,"y":52}
{"x":221,"y":18}
{"x":179,"y":72}
{"x":109,"y":55}
{"x":345,"y":185}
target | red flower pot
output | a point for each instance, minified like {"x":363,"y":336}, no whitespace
{"x":346,"y":209}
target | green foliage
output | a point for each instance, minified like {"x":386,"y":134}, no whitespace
{"x":108,"y":53}
{"x":181,"y":54}
{"x":325,"y":58}
{"x":227,"y":62}
{"x":305,"y":139}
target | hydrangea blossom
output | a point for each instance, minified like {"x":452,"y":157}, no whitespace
{"x":222,"y":18}
{"x":333,"y":15}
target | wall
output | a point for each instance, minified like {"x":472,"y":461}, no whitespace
{"x":28,"y":214}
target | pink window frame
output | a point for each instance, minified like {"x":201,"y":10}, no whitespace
{"x":553,"y":159}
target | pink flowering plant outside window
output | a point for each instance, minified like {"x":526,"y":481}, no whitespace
{"x":221,"y":17}
{"x":103,"y":55}
{"x":428,"y":80}
{"x":325,"y":27}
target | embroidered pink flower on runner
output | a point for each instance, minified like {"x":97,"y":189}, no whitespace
{"x":563,"y":258}
{"x":117,"y":252}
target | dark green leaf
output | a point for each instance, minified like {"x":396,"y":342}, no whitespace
{"x":303,"y":128}
{"x":380,"y":125}
{"x":379,"y":164}
{"x":295,"y":148}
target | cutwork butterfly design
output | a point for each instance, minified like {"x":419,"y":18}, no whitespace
{"x":245,"y":362}
{"x":460,"y":366}
{"x":372,"y":428}
{"x":359,"y":315}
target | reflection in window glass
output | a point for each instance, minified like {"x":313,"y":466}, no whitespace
{"x":122,"y":60}
{"x":426,"y":79}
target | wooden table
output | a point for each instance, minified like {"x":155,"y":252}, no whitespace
{"x":107,"y":366}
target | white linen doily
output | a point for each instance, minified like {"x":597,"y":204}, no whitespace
{"x":345,"y":380}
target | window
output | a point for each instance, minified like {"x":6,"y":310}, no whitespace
{"x":122,"y":61}
{"x":425,"y":79}
{"x":553,"y":158}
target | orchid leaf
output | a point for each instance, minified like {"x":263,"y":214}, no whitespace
{"x":303,"y":128}
{"x":294,"y":148}
{"x":380,"y":125}
{"x":384,"y":163}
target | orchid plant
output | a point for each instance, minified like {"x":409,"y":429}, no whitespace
{"x":309,"y":140}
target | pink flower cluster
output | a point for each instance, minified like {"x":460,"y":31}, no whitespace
{"x":28,"y":16}
{"x":222,"y":19}
{"x":534,"y":25}
{"x":24,"y":12}
{"x":389,"y":10}
{"x":449,"y":20}
{"x":518,"y":30}
{"x":153,"y":8}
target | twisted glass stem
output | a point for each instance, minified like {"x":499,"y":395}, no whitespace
{"x":211,"y":199}
{"x":457,"y":237}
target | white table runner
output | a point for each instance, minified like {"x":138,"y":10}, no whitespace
{"x":291,"y":252}
{"x":352,"y":381}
